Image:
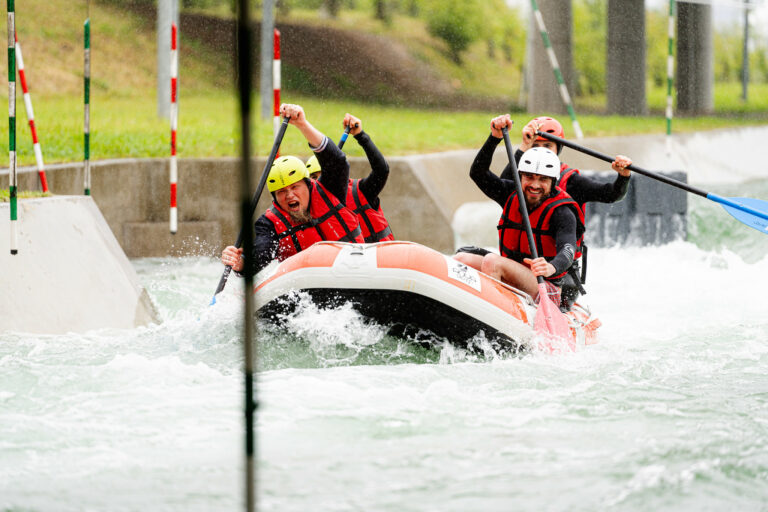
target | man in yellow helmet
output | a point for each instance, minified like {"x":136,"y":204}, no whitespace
{"x":304,"y":211}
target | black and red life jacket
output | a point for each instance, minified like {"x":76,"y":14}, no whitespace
{"x":331,"y":221}
{"x":372,"y":221}
{"x":513,"y":240}
{"x":567,"y":173}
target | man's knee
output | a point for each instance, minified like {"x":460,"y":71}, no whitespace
{"x":490,"y":265}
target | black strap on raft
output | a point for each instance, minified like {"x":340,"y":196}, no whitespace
{"x":575,"y":275}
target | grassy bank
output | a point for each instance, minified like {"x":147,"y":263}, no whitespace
{"x":123,"y":127}
{"x":22,"y":194}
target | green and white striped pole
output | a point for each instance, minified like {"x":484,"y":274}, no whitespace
{"x":556,"y":69}
{"x":670,"y":72}
{"x":87,"y":101}
{"x":12,"y":180}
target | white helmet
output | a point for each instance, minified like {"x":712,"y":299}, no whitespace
{"x":540,"y":161}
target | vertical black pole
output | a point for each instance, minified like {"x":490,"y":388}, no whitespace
{"x":244,"y":80}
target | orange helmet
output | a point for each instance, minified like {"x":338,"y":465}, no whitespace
{"x":553,"y":126}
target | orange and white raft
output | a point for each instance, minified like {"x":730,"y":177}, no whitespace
{"x":409,"y":285}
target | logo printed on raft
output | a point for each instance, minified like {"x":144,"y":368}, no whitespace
{"x":462,"y":273}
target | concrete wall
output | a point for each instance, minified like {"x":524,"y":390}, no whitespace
{"x":420,"y":199}
{"x":70,"y":274}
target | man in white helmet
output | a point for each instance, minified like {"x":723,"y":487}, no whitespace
{"x":556,"y":219}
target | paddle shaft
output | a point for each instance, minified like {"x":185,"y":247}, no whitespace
{"x":656,"y":176}
{"x":521,"y":198}
{"x":255,"y":200}
{"x":344,"y":136}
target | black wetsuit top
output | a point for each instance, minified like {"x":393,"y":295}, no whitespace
{"x":499,"y":189}
{"x":372,"y":185}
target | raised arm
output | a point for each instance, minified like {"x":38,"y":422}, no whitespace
{"x":492,"y":186}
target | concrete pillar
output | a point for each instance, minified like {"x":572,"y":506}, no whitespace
{"x":544,"y":94}
{"x":625,"y":62}
{"x":695,"y":76}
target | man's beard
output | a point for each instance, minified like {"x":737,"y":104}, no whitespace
{"x":532,"y":206}
{"x":301,"y":217}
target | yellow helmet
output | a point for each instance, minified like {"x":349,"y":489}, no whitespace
{"x":285,"y":171}
{"x":313,"y":165}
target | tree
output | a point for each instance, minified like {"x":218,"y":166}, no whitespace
{"x":382,"y":11}
{"x":457,"y":22}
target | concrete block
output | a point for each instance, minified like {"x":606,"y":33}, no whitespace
{"x":70,"y":274}
{"x":652,"y":196}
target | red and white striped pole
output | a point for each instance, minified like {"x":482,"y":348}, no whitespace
{"x":174,"y":122}
{"x":277,"y":119}
{"x":30,"y":116}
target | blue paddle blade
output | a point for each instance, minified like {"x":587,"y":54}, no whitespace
{"x":757,"y":218}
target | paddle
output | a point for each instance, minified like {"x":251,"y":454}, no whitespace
{"x":254,"y":203}
{"x":344,"y":136}
{"x":550,"y":323}
{"x":752,"y":212}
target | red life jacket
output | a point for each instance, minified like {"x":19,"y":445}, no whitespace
{"x":331,"y":220}
{"x":372,"y":222}
{"x":513,"y":240}
{"x":567,"y":173}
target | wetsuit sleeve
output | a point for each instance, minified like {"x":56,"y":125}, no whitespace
{"x":372,"y":185}
{"x":333,"y":162}
{"x":565,"y":238}
{"x":491,"y":185}
{"x":265,"y":243}
{"x":506,"y":174}
{"x":583,"y":189}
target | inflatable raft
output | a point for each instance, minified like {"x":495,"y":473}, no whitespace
{"x":419,"y":292}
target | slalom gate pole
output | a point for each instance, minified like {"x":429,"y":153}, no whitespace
{"x":276,"y":119}
{"x":174,"y":123}
{"x":87,"y":102}
{"x":30,"y":117}
{"x":244,"y":66}
{"x":670,"y":72}
{"x":556,"y":69}
{"x":12,"y":178}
